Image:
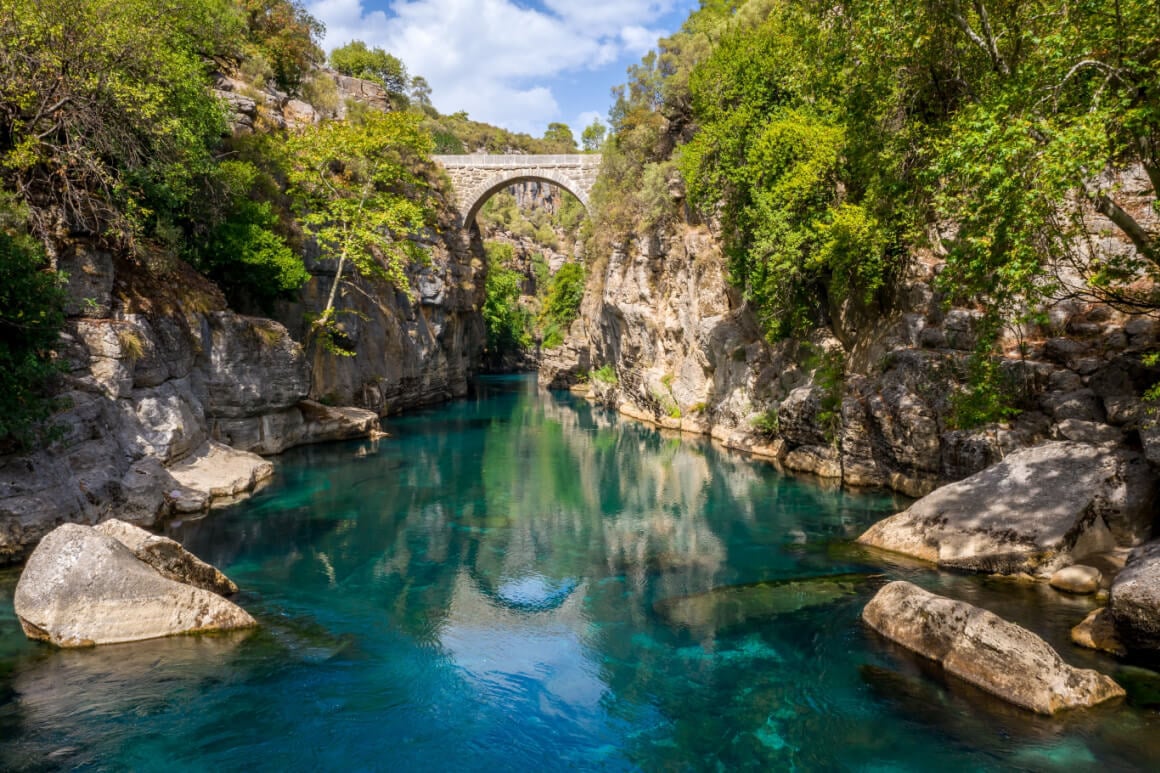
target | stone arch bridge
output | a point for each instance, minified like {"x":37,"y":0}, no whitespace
{"x":477,"y":177}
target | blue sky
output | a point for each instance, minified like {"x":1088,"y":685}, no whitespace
{"x":515,"y":63}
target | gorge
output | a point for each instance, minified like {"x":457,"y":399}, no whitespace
{"x":523,"y":456}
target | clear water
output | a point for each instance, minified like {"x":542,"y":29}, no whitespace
{"x":517,"y":582}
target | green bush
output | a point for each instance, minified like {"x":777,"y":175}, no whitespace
{"x":766,"y":424}
{"x":243,"y":250}
{"x":562,"y":305}
{"x":605,"y":374}
{"x":31,"y":318}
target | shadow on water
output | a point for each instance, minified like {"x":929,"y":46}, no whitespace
{"x":520,"y":580}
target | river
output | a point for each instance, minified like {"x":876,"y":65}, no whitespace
{"x":523,"y":581}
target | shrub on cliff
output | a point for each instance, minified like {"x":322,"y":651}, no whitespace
{"x":31,"y":317}
{"x":106,"y":122}
{"x":360,"y":189}
{"x":562,"y":305}
{"x":242,"y":247}
{"x":507,"y":323}
{"x":374,"y":64}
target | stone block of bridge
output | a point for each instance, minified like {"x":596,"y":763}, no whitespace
{"x":477,"y":177}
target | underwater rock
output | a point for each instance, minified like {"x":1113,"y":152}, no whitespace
{"x":735,"y":604}
{"x":1135,"y":599}
{"x":168,"y":557}
{"x":1038,"y":510}
{"x":983,"y":649}
{"x":81,"y":587}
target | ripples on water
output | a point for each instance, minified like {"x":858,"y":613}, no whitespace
{"x":525,"y":582}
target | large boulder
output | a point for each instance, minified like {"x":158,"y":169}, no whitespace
{"x":168,"y":557}
{"x":985,"y":650}
{"x":81,"y":587}
{"x":1038,"y":510}
{"x":1135,"y":599}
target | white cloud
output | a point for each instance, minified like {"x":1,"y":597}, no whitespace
{"x":585,"y":119}
{"x":639,"y":40}
{"x":496,"y":58}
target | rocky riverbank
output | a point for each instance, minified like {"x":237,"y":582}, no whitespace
{"x":170,"y":399}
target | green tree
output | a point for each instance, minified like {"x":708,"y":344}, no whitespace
{"x":31,"y":318}
{"x":242,"y":248}
{"x":107,"y":125}
{"x":562,"y":305}
{"x":358,"y":61}
{"x":508,"y":324}
{"x":593,"y":136}
{"x":286,"y":36}
{"x":420,"y":91}
{"x":559,"y":135}
{"x":362,"y":194}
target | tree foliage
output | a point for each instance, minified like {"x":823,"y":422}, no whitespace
{"x":508,"y":324}
{"x":285,"y":35}
{"x":31,"y":317}
{"x":559,"y":136}
{"x":562,"y":305}
{"x":592,"y":138}
{"x":360,"y":192}
{"x":357,"y":60}
{"x":106,"y":124}
{"x":241,"y":244}
{"x":830,"y":141}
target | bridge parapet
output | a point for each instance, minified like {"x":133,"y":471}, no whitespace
{"x":476,"y":177}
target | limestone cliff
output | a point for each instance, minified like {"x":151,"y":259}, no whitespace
{"x":687,"y":353}
{"x":170,"y":396}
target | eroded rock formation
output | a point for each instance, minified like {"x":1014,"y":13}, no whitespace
{"x":82,"y":587}
{"x":1038,"y":510}
{"x":982,"y":649}
{"x":867,"y":398}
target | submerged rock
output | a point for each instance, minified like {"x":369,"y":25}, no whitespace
{"x":81,"y":587}
{"x":1135,"y":599}
{"x":1036,"y":511}
{"x":985,"y":650}
{"x":169,"y":558}
{"x":735,"y":604}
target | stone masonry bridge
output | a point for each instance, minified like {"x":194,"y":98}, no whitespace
{"x":477,"y":177}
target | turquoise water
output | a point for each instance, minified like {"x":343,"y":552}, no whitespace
{"x":525,"y":582}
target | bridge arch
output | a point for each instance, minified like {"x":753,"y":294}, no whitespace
{"x":478,"y":177}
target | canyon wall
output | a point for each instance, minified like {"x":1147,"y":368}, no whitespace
{"x":867,"y":399}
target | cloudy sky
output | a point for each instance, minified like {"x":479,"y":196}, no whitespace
{"x":517,"y":63}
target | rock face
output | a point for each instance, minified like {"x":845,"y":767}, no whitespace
{"x":82,"y":587}
{"x":867,"y":398}
{"x":1135,"y":599}
{"x":1038,"y":510}
{"x":981,"y":648}
{"x":172,"y":394}
{"x":410,"y":352}
{"x":1097,"y":631}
